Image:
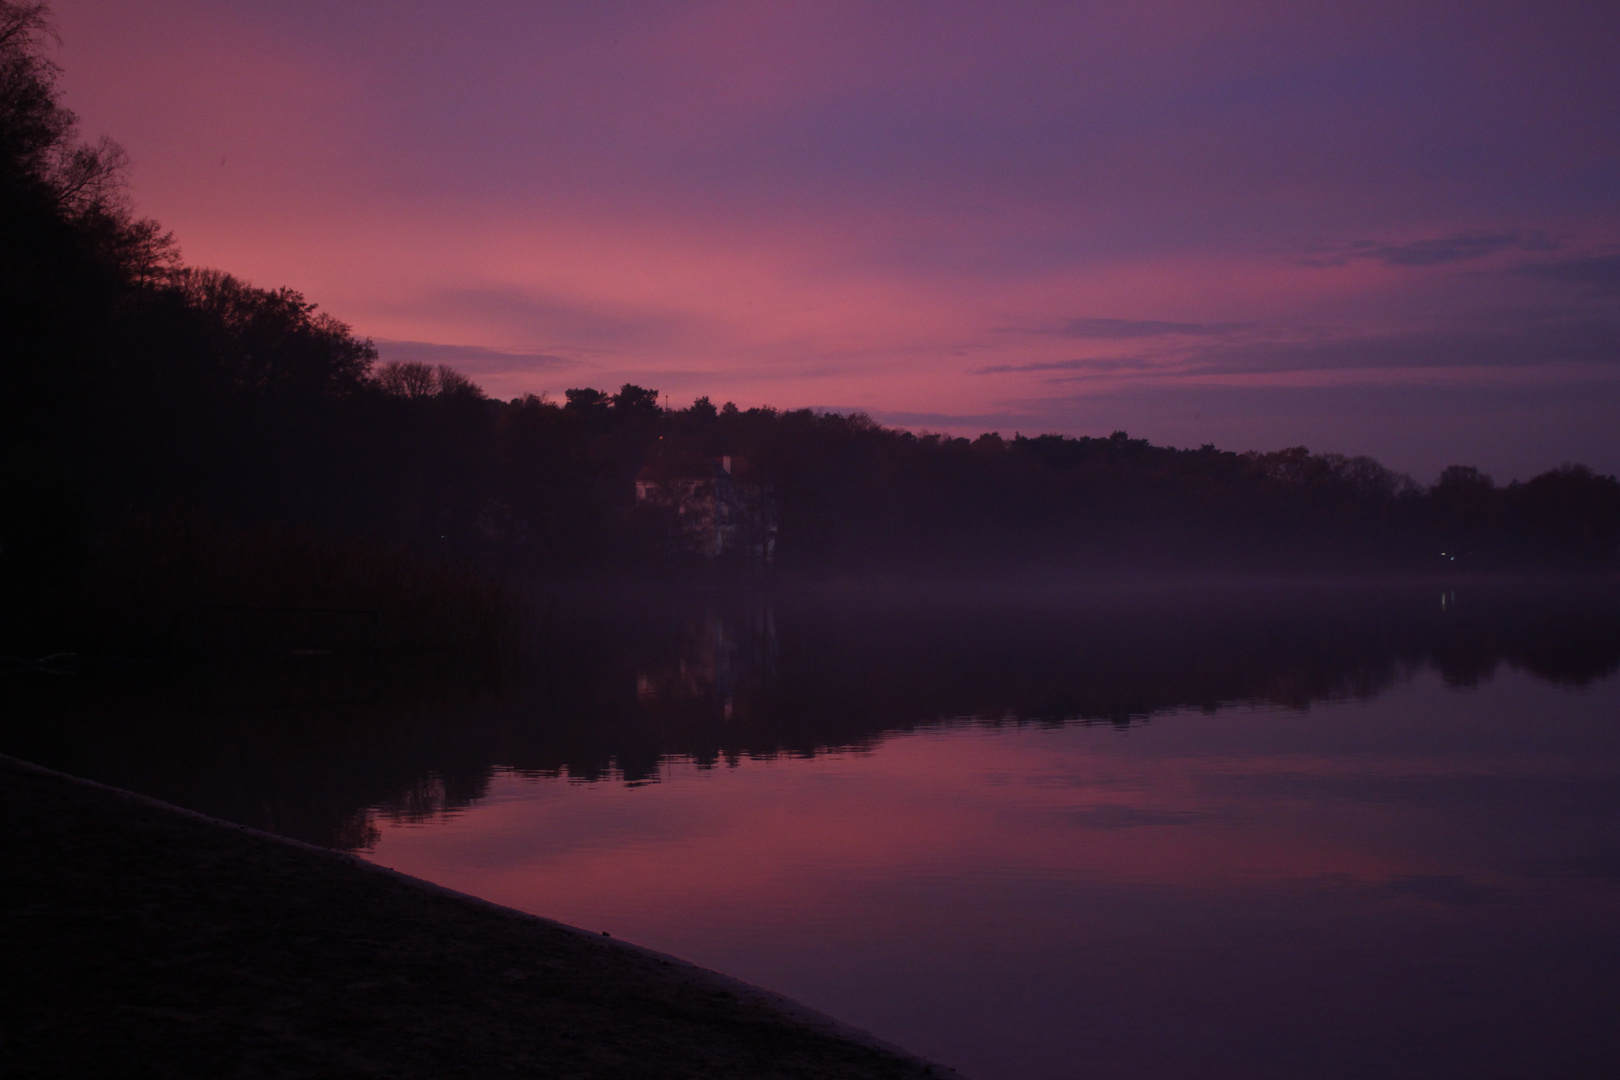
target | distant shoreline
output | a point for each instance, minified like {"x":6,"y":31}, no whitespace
{"x":144,"y":939}
{"x":618,"y":588}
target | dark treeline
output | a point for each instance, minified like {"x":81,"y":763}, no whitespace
{"x":305,"y":750}
{"x":150,"y":405}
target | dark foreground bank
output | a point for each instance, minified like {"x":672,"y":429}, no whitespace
{"x":142,"y":940}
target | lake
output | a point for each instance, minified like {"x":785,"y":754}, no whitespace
{"x":1236,"y":831}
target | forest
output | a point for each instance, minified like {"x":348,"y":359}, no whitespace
{"x":171,"y":434}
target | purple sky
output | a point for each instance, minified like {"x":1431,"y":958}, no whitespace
{"x":1370,"y":228}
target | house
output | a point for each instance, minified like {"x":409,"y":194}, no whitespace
{"x":715,"y":507}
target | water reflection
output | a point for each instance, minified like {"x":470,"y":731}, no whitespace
{"x":618,"y":691}
{"x":1160,"y":832}
{"x":1413,"y":885}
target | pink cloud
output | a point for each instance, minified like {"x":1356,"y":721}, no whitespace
{"x":809,"y":206}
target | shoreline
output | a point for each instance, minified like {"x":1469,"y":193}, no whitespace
{"x":149,"y":940}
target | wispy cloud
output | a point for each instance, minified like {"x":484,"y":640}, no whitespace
{"x":1525,"y":342}
{"x":1432,"y":251}
{"x":1083,"y":363}
{"x":470,"y":357}
{"x":914,"y":207}
{"x":1092,"y":328}
{"x":1601,"y":273}
{"x":1117,"y":329}
{"x":1594,"y":341}
{"x":542,"y":317}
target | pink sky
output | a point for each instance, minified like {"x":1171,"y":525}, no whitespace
{"x":1389,"y":228}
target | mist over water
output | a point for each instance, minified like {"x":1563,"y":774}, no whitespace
{"x":1245,"y":830}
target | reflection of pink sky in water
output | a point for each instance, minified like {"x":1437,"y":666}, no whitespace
{"x":898,"y":888}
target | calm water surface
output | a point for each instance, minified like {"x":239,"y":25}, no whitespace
{"x":1130,"y":836}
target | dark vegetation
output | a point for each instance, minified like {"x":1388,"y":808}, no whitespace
{"x":171,"y":436}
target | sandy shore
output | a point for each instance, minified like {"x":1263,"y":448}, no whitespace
{"x":143,"y":940}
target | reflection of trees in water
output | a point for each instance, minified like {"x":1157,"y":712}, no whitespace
{"x":620,"y":694}
{"x":720,"y":654}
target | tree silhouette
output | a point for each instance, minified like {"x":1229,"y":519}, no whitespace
{"x":408,"y":379}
